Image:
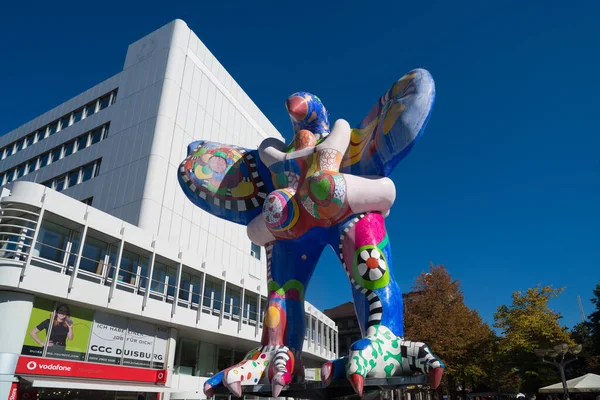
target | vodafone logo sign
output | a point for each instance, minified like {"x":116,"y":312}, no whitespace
{"x":47,"y":366}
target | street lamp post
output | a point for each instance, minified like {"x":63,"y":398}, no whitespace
{"x":557,"y":358}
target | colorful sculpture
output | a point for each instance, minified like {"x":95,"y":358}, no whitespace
{"x":326,"y":188}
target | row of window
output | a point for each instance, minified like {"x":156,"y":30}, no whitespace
{"x":59,"y":124}
{"x":75,"y":176}
{"x":58,"y":153}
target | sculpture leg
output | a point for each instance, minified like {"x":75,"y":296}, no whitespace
{"x":365,"y":251}
{"x":290,"y":265}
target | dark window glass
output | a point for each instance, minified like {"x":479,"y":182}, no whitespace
{"x":52,"y":241}
{"x":232,"y":301}
{"x":73,"y":176}
{"x":92,"y":257}
{"x":64,"y":121}
{"x":255,"y":251}
{"x":41,"y":134}
{"x":69,"y":147}
{"x":44,"y":158}
{"x":20,"y":171}
{"x":19,"y":145}
{"x":90,"y":108}
{"x":59,"y":183}
{"x":56,"y":154}
{"x":104,"y":101}
{"x":29,"y":140}
{"x":97,"y":169}
{"x":53,"y":128}
{"x":96,"y":135}
{"x":82,"y":142}
{"x":88,"y":170}
{"x":77,"y":115}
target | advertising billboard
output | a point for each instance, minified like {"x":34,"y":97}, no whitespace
{"x":65,"y":331}
{"x":58,"y":330}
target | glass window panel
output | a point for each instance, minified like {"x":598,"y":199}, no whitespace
{"x":53,"y":128}
{"x":104,"y":101}
{"x":232,"y":297}
{"x":255,"y":251}
{"x":172,"y":274}
{"x":59,"y":183}
{"x":87,"y":172}
{"x":44,"y":158}
{"x":184,"y":286}
{"x":94,"y":252}
{"x":77,"y":115}
{"x":73,"y":178}
{"x":52,"y":241}
{"x":29,"y":140}
{"x":207,"y":363}
{"x":144,"y":267}
{"x":41,"y":134}
{"x":3,"y":153}
{"x":250,"y":305}
{"x":31,"y":165}
{"x":69,"y":148}
{"x":129,"y":266}
{"x":196,"y":287}
{"x":19,"y":145}
{"x":82,"y":142}
{"x":64,"y":121}
{"x":20,"y":171}
{"x":96,"y":135}
{"x":213,"y":289}
{"x":76,"y":242}
{"x":90,"y":109}
{"x":56,"y":154}
{"x":159,"y":274}
{"x":225,"y":358}
{"x":188,"y":359}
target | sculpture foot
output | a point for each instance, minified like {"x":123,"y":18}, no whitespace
{"x":383,"y":355}
{"x":435,"y":377}
{"x":358,"y":382}
{"x":208,"y":390}
{"x":266,"y":364}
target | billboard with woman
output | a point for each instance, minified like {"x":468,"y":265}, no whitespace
{"x":58,"y":330}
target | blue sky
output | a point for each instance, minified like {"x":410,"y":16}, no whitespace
{"x":504,"y":186}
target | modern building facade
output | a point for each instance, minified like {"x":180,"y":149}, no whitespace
{"x":114,"y":282}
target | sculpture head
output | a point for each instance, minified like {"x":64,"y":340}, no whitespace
{"x":307,"y":112}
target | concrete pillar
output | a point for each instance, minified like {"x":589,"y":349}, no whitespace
{"x":170,"y":360}
{"x":15,"y":310}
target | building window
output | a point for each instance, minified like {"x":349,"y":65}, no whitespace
{"x":52,"y":241}
{"x":59,"y":124}
{"x":88,"y":201}
{"x":213,"y":293}
{"x":233,"y":298}
{"x":255,"y":250}
{"x":75,"y":176}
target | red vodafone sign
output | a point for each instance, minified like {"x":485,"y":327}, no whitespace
{"x":75,"y":369}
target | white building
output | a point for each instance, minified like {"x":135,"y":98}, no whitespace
{"x":100,"y":170}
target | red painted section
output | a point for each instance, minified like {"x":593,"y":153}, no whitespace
{"x":76,"y":369}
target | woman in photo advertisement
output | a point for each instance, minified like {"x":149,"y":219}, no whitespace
{"x":61,"y":330}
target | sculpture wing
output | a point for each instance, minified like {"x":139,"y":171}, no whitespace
{"x":225,"y":180}
{"x":389,"y":131}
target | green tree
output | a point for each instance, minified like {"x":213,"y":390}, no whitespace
{"x":527,"y":324}
{"x":593,"y":327}
{"x":437,"y":315}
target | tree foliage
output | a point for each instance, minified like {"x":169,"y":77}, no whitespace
{"x":437,"y":315}
{"x":528,"y":324}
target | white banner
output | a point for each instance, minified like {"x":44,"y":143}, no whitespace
{"x":108,"y":337}
{"x":139,"y":344}
{"x":160,"y":347}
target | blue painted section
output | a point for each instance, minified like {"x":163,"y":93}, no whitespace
{"x":288,"y":264}
{"x":360,"y":344}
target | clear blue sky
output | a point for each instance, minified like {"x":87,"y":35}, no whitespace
{"x":504,"y":186}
